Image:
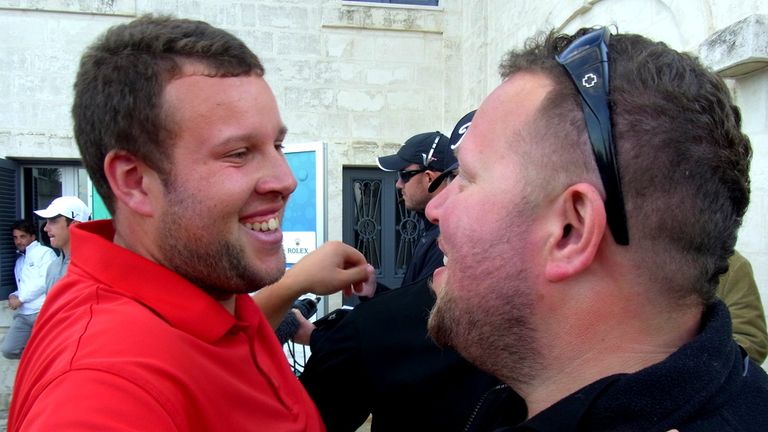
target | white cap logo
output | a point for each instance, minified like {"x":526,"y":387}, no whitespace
{"x":462,"y":130}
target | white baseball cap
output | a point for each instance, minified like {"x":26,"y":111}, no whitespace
{"x":67,"y":206}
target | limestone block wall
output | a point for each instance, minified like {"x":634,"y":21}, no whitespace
{"x":360,"y":77}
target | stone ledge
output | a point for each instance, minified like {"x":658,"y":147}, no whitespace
{"x":376,"y":17}
{"x":738,"y":49}
{"x":99,"y":7}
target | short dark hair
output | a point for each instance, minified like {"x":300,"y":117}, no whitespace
{"x":683,"y":159}
{"x":121,"y":79}
{"x":24,"y":225}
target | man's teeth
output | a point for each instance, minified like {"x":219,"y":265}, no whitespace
{"x":269,"y":225}
{"x":445,"y":259}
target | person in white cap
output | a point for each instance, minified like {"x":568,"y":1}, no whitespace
{"x":34,"y":258}
{"x":63,"y":212}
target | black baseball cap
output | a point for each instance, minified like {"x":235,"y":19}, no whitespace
{"x":430,"y":150}
{"x":456,"y":136}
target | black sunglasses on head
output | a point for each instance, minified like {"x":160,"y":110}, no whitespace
{"x":449,"y":173}
{"x":586,"y":61}
{"x":405,"y":176}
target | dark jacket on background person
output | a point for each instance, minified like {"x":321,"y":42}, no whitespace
{"x":426,"y":256}
{"x":379,"y":360}
{"x":707,"y":385}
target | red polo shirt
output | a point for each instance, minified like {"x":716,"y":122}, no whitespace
{"x":123,"y":343}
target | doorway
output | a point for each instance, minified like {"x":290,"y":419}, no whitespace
{"x":376,"y":222}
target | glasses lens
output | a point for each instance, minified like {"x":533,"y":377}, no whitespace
{"x":405,"y":176}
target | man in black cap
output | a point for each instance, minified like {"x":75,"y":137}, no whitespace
{"x":422,"y":159}
{"x":419,"y":161}
{"x":379,"y":361}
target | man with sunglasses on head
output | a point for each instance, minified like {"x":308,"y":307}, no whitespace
{"x":379,"y":360}
{"x":608,"y":174}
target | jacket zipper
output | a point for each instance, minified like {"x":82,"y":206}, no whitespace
{"x":479,"y":404}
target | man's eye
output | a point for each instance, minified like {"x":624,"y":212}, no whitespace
{"x":240,"y":154}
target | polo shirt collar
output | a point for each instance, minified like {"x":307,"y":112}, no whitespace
{"x":29,"y":247}
{"x":181,"y":303}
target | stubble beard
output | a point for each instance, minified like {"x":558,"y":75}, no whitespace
{"x":496,"y":332}
{"x":218,"y":267}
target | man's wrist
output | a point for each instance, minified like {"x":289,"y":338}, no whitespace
{"x":290,"y":282}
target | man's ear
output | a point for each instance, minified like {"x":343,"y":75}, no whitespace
{"x":134,"y":184}
{"x":577,"y":226}
{"x":430,"y":176}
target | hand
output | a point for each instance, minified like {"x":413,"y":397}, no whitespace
{"x":304,"y":333}
{"x":332,"y":267}
{"x":14,"y":302}
{"x":367,"y":288}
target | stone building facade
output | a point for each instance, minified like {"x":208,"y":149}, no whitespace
{"x":363,"y":77}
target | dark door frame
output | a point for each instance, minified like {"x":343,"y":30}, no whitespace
{"x":9,"y":212}
{"x":376,"y":222}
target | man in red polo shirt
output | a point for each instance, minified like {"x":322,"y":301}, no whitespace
{"x":152,"y":329}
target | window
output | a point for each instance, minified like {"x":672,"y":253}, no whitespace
{"x":408,"y":2}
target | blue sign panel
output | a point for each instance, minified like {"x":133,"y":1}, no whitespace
{"x":303,"y":224}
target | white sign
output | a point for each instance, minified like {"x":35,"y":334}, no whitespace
{"x":296,"y":244}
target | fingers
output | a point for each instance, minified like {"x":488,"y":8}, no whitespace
{"x":304,"y":333}
{"x":334,"y":266}
{"x":353,"y":276}
{"x":347,"y":255}
{"x":354,"y":257}
{"x":371,"y":275}
{"x":358,"y":288}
